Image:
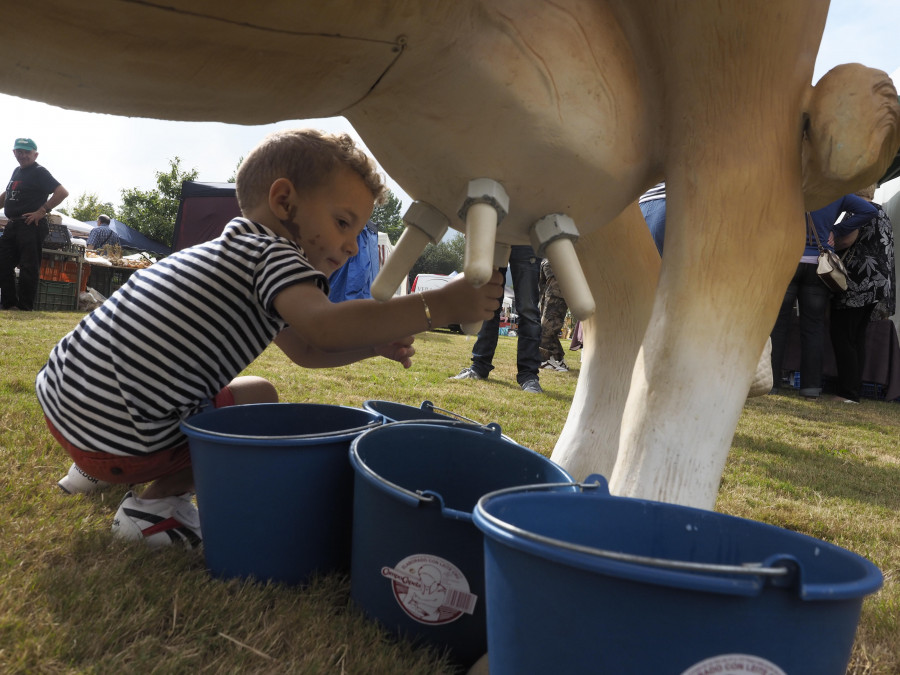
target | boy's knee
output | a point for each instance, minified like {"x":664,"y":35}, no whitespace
{"x":253,"y":389}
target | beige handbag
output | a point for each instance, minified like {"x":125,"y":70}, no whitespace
{"x":831,"y":268}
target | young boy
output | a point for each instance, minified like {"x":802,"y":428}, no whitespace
{"x":173,"y":339}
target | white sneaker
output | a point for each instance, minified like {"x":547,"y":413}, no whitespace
{"x":78,"y":482}
{"x":552,"y":364}
{"x":158,"y":522}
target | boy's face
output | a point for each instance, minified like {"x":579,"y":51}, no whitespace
{"x":326,"y":220}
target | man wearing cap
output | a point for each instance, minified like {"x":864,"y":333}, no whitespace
{"x":26,"y":204}
{"x":102,"y":235}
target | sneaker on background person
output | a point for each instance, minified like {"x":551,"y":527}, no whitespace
{"x":532,"y":386}
{"x":552,"y":364}
{"x":159,"y":522}
{"x":469,"y":373}
{"x":78,"y":482}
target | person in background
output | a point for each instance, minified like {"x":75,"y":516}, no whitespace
{"x":102,"y":235}
{"x":354,"y":279}
{"x":524,"y":268}
{"x":811,"y":293}
{"x":32,"y":192}
{"x":202,"y":315}
{"x":553,"y":316}
{"x":871,"y":291}
{"x":653,"y":205}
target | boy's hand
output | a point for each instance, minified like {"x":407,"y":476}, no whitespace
{"x":461,"y":303}
{"x":401,"y":351}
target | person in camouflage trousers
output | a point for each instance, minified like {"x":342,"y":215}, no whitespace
{"x":553,"y":316}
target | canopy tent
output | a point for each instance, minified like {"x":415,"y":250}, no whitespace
{"x":131,"y":238}
{"x":203,"y":213}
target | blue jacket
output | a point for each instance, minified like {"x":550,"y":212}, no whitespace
{"x":352,"y":281}
{"x":859,"y":212}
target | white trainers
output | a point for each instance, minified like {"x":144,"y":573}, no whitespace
{"x":552,"y":364}
{"x":159,"y":522}
{"x":78,"y":482}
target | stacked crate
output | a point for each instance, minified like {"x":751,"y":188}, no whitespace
{"x":58,"y":285}
{"x":107,"y":280}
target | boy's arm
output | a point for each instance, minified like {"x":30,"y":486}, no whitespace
{"x":355,"y":327}
{"x":303,"y":355}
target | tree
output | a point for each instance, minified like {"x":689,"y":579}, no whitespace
{"x":87,"y":206}
{"x":457,"y":245}
{"x":233,"y":178}
{"x":388,"y":217}
{"x":153,"y":212}
{"x":445,"y":257}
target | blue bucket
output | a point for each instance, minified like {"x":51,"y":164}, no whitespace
{"x":400,"y":412}
{"x":427,"y":412}
{"x":418,"y":562}
{"x":274,"y":488}
{"x":594,"y":583}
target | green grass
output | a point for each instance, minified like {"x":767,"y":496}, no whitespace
{"x":73,"y":600}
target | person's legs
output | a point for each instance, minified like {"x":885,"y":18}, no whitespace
{"x":848,"y":336}
{"x":164,"y":514}
{"x":9,"y":256}
{"x":525,"y":269}
{"x":244,"y":390}
{"x":486,"y":344}
{"x":842,"y":329}
{"x":814,"y":298}
{"x":782,"y":325}
{"x":655,"y":214}
{"x":553,"y":316}
{"x":30,"y":263}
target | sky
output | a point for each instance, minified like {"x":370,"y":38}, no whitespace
{"x":104,"y":154}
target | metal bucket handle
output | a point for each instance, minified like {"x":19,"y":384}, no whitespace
{"x":783,"y":567}
{"x":421,"y":496}
{"x":428,"y":405}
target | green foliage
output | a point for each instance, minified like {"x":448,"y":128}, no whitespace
{"x":87,"y":206}
{"x":388,"y":217}
{"x":445,"y":257}
{"x":153,"y":212}
{"x":233,"y":178}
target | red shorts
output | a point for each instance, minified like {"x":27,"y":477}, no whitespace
{"x":135,"y":468}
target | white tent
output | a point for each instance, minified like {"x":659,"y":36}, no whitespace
{"x":76,"y":227}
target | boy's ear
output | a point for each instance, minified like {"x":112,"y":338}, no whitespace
{"x":280,"y":194}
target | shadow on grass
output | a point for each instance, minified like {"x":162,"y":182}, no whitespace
{"x":857,"y":480}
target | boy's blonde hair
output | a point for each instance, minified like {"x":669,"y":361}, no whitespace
{"x":306,"y":157}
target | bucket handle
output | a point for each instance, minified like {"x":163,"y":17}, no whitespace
{"x":750,"y":569}
{"x":428,"y":405}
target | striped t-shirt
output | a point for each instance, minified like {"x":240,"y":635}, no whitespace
{"x":658,"y":191}
{"x":169,"y":339}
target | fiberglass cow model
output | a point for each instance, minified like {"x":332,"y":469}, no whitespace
{"x":561,"y":113}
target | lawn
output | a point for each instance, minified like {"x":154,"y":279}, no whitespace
{"x":73,"y":600}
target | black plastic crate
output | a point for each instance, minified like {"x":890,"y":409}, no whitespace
{"x":107,"y":280}
{"x":55,"y":296}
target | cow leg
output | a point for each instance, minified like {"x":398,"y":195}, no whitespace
{"x":621,"y":265}
{"x":734,"y":234}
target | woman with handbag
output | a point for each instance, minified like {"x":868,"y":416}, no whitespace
{"x":810,"y":291}
{"x":871,"y":292}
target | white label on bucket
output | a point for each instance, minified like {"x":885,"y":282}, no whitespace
{"x":430,"y":590}
{"x":734,"y":664}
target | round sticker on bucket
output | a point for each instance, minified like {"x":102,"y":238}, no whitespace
{"x":430,"y":590}
{"x":734,"y":664}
